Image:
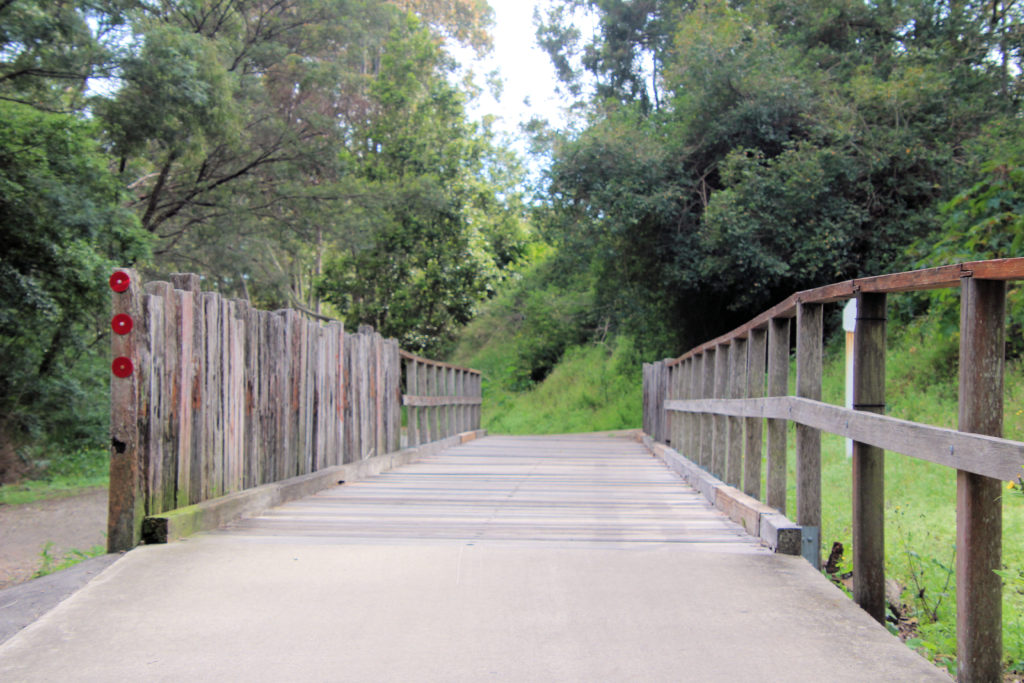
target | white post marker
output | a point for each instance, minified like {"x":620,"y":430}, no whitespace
{"x":849,"y":324}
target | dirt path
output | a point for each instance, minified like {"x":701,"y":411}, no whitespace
{"x":78,"y":522}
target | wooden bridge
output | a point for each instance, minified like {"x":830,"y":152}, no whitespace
{"x":337,"y":549}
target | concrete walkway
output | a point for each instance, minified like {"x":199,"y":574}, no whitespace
{"x":508,"y":559}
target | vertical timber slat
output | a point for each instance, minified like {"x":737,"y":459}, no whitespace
{"x":778,"y":385}
{"x":809,"y":342}
{"x":737,"y":387}
{"x":979,"y":498}
{"x":754,"y":427}
{"x":720,"y":434}
{"x":869,"y":461}
{"x":707,"y":422}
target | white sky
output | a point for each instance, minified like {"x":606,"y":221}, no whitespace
{"x":525,"y":69}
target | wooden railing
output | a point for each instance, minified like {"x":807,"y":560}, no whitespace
{"x":711,"y":404}
{"x":441,"y":400}
{"x":211,"y":397}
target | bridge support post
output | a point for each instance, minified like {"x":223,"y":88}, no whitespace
{"x":737,"y":388}
{"x":809,"y":342}
{"x":753,"y":427}
{"x":869,"y":461}
{"x":778,"y":385}
{"x":126,"y":508}
{"x":707,"y":420}
{"x":720,"y":438}
{"x":693,"y":419}
{"x":979,"y":501}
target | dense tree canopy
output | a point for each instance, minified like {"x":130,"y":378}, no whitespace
{"x":254,"y":142}
{"x":737,"y":151}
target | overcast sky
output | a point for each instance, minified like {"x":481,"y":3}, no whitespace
{"x":525,"y":69}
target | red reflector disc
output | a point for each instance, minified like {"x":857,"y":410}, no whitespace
{"x":119,"y":281}
{"x":122,"y":367}
{"x":122,"y":323}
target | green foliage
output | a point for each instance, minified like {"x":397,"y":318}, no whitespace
{"x":780,"y":223}
{"x":50,"y":564}
{"x":984,"y":221}
{"x":921,"y":385}
{"x":49,"y":50}
{"x":736,"y":152}
{"x":64,"y":229}
{"x":438,"y":238}
{"x":31,"y":490}
{"x":593,"y":388}
{"x":522,"y":334}
{"x":252,"y":142}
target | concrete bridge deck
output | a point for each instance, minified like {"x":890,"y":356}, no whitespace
{"x":509,"y":559}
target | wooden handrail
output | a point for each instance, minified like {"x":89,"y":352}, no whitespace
{"x":440,"y":364}
{"x":707,"y":400}
{"x":986,"y":455}
{"x":942,"y":277}
{"x":441,"y":399}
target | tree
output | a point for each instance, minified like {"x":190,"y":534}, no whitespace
{"x":49,"y":50}
{"x":789,"y":145}
{"x":426,"y":234}
{"x":63,"y":227}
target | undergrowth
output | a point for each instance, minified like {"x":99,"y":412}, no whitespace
{"x":61,"y":475}
{"x":594,"y":388}
{"x":50,"y":563}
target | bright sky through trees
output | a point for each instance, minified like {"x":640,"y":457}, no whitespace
{"x":525,"y":69}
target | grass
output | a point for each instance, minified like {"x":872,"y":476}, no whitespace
{"x":920,"y":520}
{"x":30,"y":491}
{"x":63,"y":474}
{"x":594,"y":388}
{"x":50,"y":563}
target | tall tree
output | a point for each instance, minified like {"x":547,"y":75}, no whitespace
{"x":418,"y":257}
{"x":63,"y":228}
{"x":792,"y":144}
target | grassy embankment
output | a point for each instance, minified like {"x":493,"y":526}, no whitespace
{"x":68,"y":475}
{"x":597,"y":387}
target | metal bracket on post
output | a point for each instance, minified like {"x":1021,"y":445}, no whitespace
{"x":810,"y":539}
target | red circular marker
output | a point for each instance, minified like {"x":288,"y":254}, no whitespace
{"x":119,"y":281}
{"x":122,"y":323}
{"x":122,"y":367}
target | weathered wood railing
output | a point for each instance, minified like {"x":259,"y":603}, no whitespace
{"x":711,"y":402}
{"x":441,"y":399}
{"x":211,"y":397}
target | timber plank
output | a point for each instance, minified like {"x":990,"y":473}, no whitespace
{"x":986,"y":455}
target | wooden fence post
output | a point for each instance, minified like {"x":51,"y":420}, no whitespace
{"x":869,"y":461}
{"x":129,"y":354}
{"x":809,"y":341}
{"x":670,"y":393}
{"x":662,"y":370}
{"x":450,"y":410}
{"x":979,"y":498}
{"x":187,"y":288}
{"x":411,"y":388}
{"x":737,"y":387}
{"x":693,"y":419}
{"x":753,"y":427}
{"x":161,"y":437}
{"x":778,"y":385}
{"x":707,"y":420}
{"x":718,"y":448}
{"x":478,"y":392}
